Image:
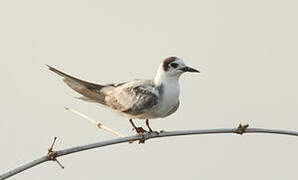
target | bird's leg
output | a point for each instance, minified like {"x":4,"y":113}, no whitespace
{"x":147,"y":124}
{"x":133,"y":125}
{"x":138,"y":129}
{"x":150,"y":130}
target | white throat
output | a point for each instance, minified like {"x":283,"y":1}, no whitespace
{"x":162,"y":78}
{"x":170,"y":91}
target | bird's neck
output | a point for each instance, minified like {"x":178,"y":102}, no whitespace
{"x":162,"y":79}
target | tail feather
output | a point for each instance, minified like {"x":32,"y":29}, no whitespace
{"x":91,"y":91}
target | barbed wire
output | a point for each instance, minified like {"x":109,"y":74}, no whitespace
{"x":52,"y":155}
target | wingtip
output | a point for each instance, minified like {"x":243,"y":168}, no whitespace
{"x":50,"y":67}
{"x":55,"y":70}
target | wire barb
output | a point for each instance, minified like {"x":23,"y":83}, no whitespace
{"x":52,"y":155}
{"x":52,"y":146}
{"x":241,"y":128}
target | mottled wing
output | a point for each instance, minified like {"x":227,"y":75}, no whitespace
{"x":134,"y":98}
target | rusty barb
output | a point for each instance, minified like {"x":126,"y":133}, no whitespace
{"x":241,"y":129}
{"x":52,"y":155}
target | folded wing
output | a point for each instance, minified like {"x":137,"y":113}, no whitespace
{"x":133,"y":98}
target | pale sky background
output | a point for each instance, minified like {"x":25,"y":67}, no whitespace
{"x":246,"y":52}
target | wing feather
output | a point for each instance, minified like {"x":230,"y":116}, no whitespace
{"x":90,"y":91}
{"x":134,"y":98}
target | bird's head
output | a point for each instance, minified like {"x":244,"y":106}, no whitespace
{"x":172,"y":68}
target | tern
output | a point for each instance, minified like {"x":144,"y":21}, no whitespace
{"x":137,"y":99}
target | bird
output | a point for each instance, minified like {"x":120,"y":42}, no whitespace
{"x":136,"y":99}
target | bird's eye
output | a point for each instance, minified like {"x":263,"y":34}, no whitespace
{"x":174,"y":65}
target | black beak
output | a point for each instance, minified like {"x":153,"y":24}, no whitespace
{"x":189,"y":69}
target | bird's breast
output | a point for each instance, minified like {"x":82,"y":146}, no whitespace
{"x":169,"y":99}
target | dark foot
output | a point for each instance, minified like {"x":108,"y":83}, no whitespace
{"x":143,"y":139}
{"x":241,"y":129}
{"x":140,"y":130}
